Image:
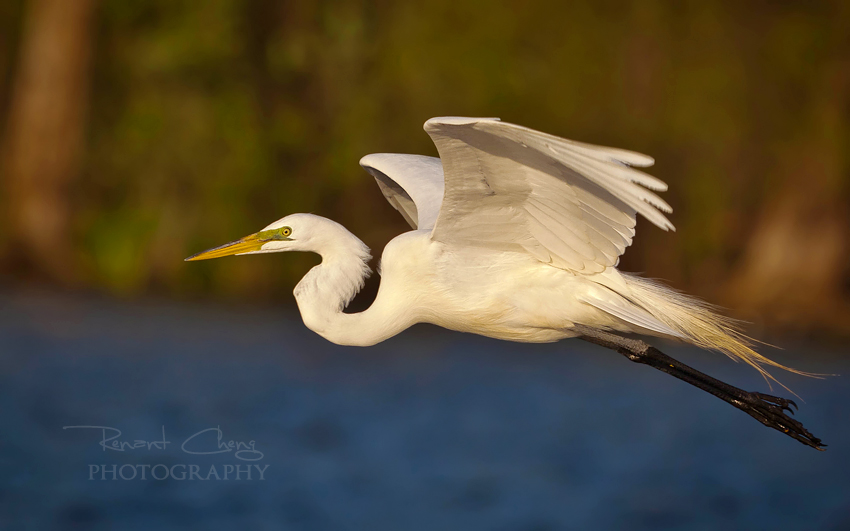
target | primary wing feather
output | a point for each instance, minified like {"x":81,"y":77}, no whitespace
{"x":566,"y":203}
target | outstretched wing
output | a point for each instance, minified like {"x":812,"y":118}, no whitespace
{"x":566,"y":203}
{"x":413,"y":184}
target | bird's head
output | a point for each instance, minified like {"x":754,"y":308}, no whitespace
{"x":296,"y":232}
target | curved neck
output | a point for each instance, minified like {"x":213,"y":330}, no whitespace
{"x":327,"y":289}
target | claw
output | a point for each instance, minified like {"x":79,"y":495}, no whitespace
{"x":770,"y":411}
{"x":784,"y":408}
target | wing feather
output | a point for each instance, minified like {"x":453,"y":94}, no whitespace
{"x":412,"y":184}
{"x":566,"y":203}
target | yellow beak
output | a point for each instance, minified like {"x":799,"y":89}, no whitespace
{"x":243,"y":245}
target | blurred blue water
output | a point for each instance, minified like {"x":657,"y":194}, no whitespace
{"x":430,"y":430}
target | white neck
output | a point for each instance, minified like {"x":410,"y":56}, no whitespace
{"x":328,"y":288}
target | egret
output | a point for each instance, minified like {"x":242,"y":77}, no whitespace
{"x":516,"y":236}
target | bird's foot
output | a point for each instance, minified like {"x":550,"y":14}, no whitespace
{"x":768,"y":409}
{"x":771,"y":411}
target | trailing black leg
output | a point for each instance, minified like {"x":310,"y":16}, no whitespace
{"x":767,"y":409}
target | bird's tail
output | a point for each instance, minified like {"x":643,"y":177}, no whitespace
{"x":699,"y":323}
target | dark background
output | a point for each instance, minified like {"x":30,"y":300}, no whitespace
{"x":137,"y":133}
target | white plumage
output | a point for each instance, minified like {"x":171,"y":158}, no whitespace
{"x":517,"y":235}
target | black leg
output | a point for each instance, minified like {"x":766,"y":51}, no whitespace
{"x":767,"y":409}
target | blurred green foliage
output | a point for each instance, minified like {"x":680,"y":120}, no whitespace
{"x":211,"y":119}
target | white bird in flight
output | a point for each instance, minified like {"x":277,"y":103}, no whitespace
{"x":516,"y":236}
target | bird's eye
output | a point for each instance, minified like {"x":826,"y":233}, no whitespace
{"x":274,"y":234}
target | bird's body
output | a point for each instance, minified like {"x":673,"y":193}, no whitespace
{"x":516,"y":236}
{"x":423,"y":281}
